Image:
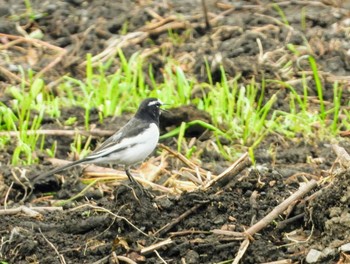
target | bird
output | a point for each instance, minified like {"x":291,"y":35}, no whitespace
{"x":130,"y":145}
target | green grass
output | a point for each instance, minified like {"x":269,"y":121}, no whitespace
{"x":242,"y":113}
{"x":319,"y":86}
{"x":25,"y":114}
{"x":281,"y":14}
{"x":30,"y":14}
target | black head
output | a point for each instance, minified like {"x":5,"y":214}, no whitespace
{"x":149,"y":110}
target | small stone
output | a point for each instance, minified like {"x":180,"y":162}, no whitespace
{"x":313,"y":256}
{"x":50,"y":8}
{"x":36,"y":34}
{"x":345,"y":247}
{"x":165,"y":204}
{"x":219,"y":220}
{"x":192,"y":257}
{"x":328,"y":251}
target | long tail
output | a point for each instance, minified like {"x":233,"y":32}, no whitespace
{"x":56,"y":170}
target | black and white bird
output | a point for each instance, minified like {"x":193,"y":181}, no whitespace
{"x":130,"y":145}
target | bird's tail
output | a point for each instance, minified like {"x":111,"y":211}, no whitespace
{"x":56,"y":170}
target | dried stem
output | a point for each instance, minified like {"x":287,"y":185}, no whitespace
{"x":304,"y":189}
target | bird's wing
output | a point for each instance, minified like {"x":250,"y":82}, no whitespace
{"x":120,"y":140}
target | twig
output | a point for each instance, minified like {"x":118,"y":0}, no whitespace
{"x":188,"y":173}
{"x":111,"y":175}
{"x":221,"y":15}
{"x":276,"y":21}
{"x":36,"y":42}
{"x":253,"y":205}
{"x":242,"y":249}
{"x":282,"y":261}
{"x":286,"y":222}
{"x":235,"y":168}
{"x":153,"y":13}
{"x":10,"y":76}
{"x":121,"y":258}
{"x":327,"y":75}
{"x":303,"y":175}
{"x":123,"y":41}
{"x":60,"y":256}
{"x":182,"y":158}
{"x":7,"y":195}
{"x":45,"y":209}
{"x":51,"y":64}
{"x":151,"y":248}
{"x":189,"y":232}
{"x":169,"y":26}
{"x":59,"y":132}
{"x":342,"y":155}
{"x":33,"y":41}
{"x":268,"y":218}
{"x":280,"y":208}
{"x":111,"y":213}
{"x":17,"y":179}
{"x":170,"y":225}
{"x":102,"y":260}
{"x":161,"y":259}
{"x":23,"y":209}
{"x":157,"y":24}
{"x":239,"y":235}
{"x":206,"y":18}
{"x":78,"y":195}
{"x":126,"y":260}
{"x":30,"y":211}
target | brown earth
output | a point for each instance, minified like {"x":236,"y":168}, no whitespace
{"x":110,"y":220}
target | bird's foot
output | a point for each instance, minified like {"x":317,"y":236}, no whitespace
{"x":143,"y":191}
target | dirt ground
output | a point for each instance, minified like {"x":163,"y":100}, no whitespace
{"x":186,"y":222}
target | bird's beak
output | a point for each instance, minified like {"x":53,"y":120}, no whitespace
{"x":164,"y":110}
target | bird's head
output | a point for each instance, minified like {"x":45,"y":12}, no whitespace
{"x":149,"y":109}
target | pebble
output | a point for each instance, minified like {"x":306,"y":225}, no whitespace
{"x":329,"y":252}
{"x":219,"y":220}
{"x":166,"y":204}
{"x":345,"y":247}
{"x":192,"y":257}
{"x":50,"y":8}
{"x":313,"y":256}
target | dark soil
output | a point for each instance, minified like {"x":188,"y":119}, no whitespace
{"x":111,"y":219}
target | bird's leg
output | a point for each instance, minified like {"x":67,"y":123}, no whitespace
{"x":132,"y":180}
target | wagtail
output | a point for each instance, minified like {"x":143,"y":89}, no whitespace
{"x":130,"y":145}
